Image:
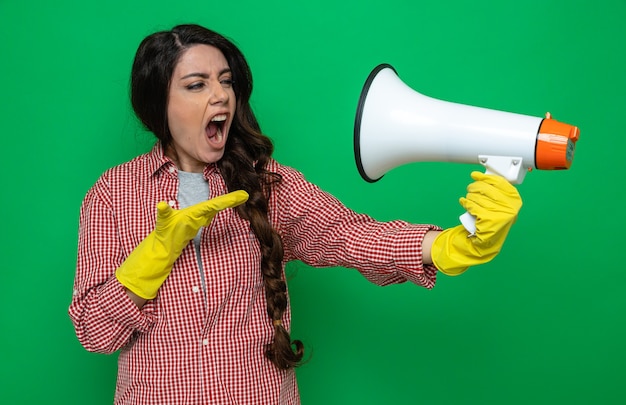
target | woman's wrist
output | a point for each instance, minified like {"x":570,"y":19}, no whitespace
{"x":427,"y":244}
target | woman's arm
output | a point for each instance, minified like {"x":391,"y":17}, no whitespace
{"x":319,"y":230}
{"x":103,"y":313}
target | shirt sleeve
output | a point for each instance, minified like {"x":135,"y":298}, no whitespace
{"x":320,"y":231}
{"x":103,"y":314}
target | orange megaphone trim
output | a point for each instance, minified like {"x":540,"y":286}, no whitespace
{"x":555,"y":146}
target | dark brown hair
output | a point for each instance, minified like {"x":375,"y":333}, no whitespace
{"x":243,"y":165}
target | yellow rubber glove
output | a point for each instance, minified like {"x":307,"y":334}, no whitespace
{"x":495,"y":203}
{"x":146,"y":268}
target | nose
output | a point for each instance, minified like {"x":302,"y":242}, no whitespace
{"x":219,"y":95}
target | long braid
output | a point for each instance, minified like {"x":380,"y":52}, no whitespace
{"x":237,"y":169}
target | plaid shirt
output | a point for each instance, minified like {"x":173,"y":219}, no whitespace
{"x":201,"y":345}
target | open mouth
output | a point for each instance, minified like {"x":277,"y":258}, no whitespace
{"x":216,"y":128}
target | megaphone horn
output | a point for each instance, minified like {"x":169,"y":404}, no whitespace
{"x":396,"y":125}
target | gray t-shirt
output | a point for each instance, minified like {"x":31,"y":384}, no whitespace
{"x":192,"y":189}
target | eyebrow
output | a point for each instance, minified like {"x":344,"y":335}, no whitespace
{"x":204,"y":75}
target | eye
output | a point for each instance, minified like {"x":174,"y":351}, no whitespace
{"x":228,"y":83}
{"x":195,"y":86}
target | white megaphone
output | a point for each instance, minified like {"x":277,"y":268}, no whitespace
{"x":396,"y":125}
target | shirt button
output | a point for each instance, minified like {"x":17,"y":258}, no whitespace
{"x":195,"y":289}
{"x":205,"y":342}
{"x":172,"y":169}
{"x":172,"y":203}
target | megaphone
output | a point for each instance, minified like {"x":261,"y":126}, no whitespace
{"x":396,"y":125}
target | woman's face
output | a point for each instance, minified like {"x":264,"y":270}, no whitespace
{"x":200,"y":107}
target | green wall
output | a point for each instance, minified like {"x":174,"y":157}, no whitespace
{"x":542,"y":324}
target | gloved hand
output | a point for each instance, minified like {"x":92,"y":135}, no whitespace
{"x":495,"y":204}
{"x":146,"y":268}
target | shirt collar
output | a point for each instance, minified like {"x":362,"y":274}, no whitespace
{"x":158,"y":161}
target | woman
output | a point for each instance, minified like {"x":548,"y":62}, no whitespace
{"x":208,"y":321}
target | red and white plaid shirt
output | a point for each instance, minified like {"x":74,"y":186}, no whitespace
{"x":195,"y":346}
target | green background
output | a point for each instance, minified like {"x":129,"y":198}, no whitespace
{"x":541,"y":324}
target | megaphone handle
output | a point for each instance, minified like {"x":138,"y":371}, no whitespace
{"x":468,"y":220}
